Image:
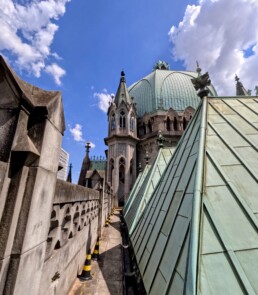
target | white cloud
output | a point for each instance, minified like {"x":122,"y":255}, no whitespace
{"x":27,"y":32}
{"x":103,"y":99}
{"x":92,"y":145}
{"x":216,"y":33}
{"x":56,"y":71}
{"x":77,"y":133}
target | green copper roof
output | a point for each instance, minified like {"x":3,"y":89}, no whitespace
{"x":171,"y":89}
{"x":135,"y":189}
{"x":144,"y":193}
{"x":199,"y":231}
{"x":98,"y":164}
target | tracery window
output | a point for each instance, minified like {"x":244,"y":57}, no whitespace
{"x":122,"y":119}
{"x":132,"y":123}
{"x":184,"y":123}
{"x":122,"y":170}
{"x":168,"y":124}
{"x":175,"y":124}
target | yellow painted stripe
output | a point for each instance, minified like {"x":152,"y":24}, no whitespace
{"x":88,"y":257}
{"x":97,"y":243}
{"x":87,"y":267}
{"x":96,"y":252}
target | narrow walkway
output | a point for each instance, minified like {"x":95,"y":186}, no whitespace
{"x":107,"y":274}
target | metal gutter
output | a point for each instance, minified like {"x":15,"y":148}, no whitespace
{"x":193,"y":265}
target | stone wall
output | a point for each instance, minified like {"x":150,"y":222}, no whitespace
{"x":46,"y":226}
{"x":73,"y":231}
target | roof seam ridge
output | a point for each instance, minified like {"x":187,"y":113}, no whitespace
{"x":192,"y":271}
{"x":231,"y":253}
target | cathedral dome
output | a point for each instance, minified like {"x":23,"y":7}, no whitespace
{"x":164,"y":89}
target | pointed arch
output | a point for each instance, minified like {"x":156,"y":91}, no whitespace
{"x":121,"y":187}
{"x":175,"y":124}
{"x":168,"y":124}
{"x":122,"y":119}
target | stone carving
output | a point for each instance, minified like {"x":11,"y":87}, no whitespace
{"x":66,"y":220}
{"x":201,"y":83}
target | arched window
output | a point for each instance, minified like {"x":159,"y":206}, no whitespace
{"x":132,"y":123}
{"x":113,"y":122}
{"x":131,"y":167}
{"x":122,"y":170}
{"x":168,"y":124}
{"x":175,"y":124}
{"x":184,"y":123}
{"x":122,"y":119}
{"x":150,"y":127}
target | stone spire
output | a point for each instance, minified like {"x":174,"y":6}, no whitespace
{"x":69,"y":176}
{"x":122,"y":92}
{"x":85,"y":166}
{"x":240,"y":89}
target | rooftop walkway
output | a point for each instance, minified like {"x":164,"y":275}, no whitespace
{"x":107,"y":273}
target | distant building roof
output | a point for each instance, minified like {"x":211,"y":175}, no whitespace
{"x":98,"y":164}
{"x":171,"y":89}
{"x":198,"y":233}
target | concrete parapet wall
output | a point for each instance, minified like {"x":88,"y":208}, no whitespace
{"x":73,"y":231}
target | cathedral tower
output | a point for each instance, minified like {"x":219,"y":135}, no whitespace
{"x":121,"y":141}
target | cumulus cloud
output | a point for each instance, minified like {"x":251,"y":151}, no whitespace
{"x":77,"y":133}
{"x":56,"y":71}
{"x":103,"y":99}
{"x":92,"y":145}
{"x":27,"y":32}
{"x":219,"y":33}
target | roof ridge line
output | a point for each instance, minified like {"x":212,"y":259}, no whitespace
{"x":192,"y":271}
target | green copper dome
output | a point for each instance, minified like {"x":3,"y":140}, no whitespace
{"x":164,"y":89}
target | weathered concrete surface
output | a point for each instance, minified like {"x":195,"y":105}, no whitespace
{"x":107,"y":273}
{"x":61,"y":269}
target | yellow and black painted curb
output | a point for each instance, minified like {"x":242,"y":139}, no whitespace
{"x":95,"y":255}
{"x":86,"y":272}
{"x":107,"y":223}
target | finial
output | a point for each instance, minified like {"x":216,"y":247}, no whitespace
{"x":161,"y":65}
{"x":88,"y":146}
{"x":122,"y":79}
{"x":200,"y":83}
{"x":160,"y":140}
{"x":240,"y":89}
{"x":147,"y":157}
{"x":198,"y":69}
{"x":140,"y":167}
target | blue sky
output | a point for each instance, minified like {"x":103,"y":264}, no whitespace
{"x":80,"y":48}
